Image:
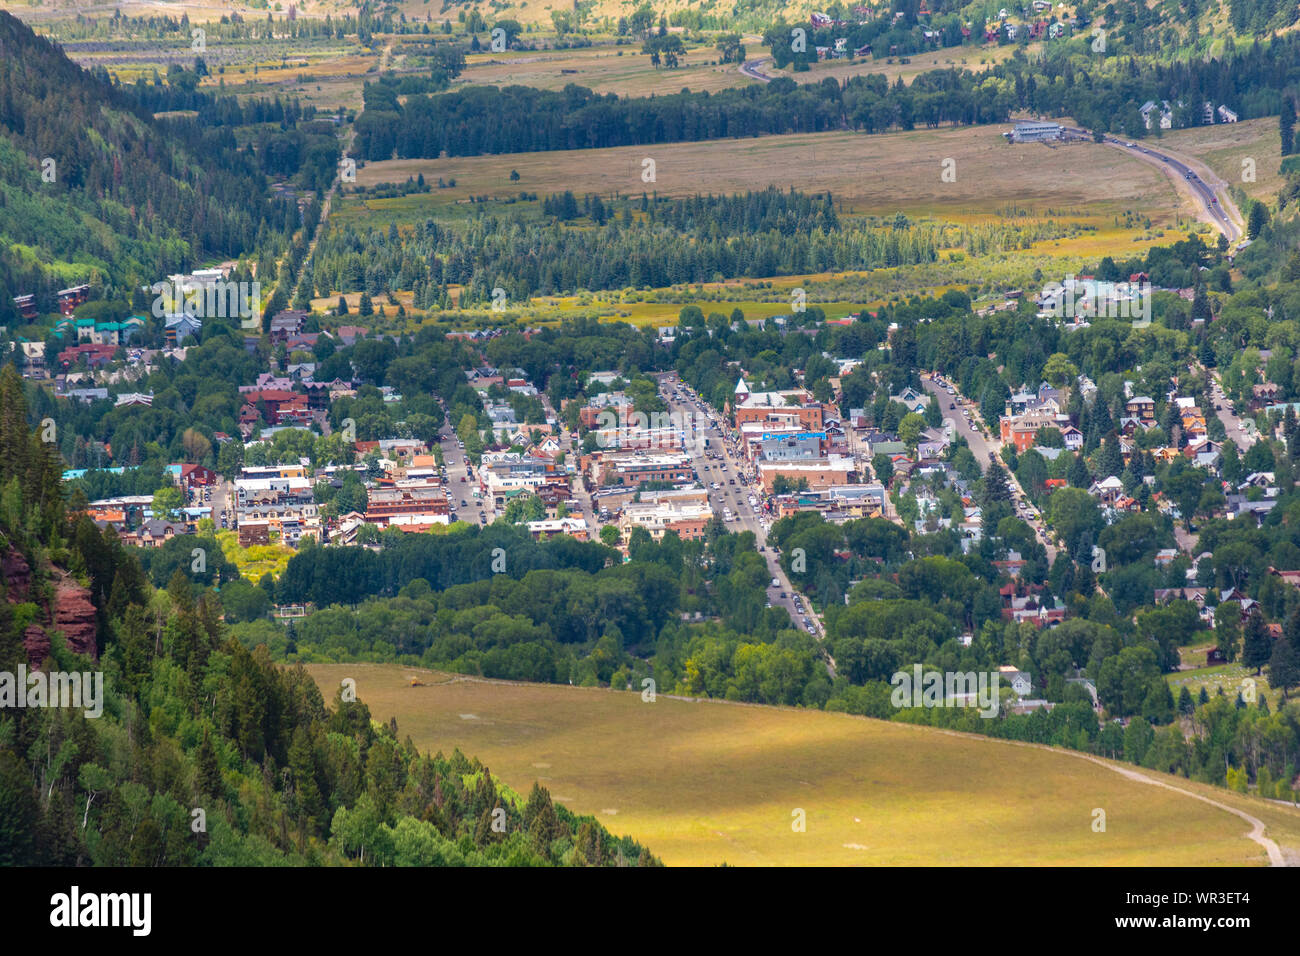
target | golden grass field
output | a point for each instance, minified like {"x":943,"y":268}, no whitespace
{"x":877,"y":174}
{"x":705,"y":782}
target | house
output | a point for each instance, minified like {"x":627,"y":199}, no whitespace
{"x":95,"y":356}
{"x":932,"y":444}
{"x":1205,"y":454}
{"x":1148,"y":110}
{"x":72,"y":297}
{"x":349,"y":334}
{"x":1141,"y":407}
{"x":1033,"y":132}
{"x":1022,"y":430}
{"x":1261,"y":396}
{"x":911,"y":399}
{"x":152,"y":533}
{"x":26,"y":306}
{"x":1165,"y":596}
{"x":1107,"y":490}
{"x":179,"y":326}
{"x":1245,"y":604}
{"x":1165,"y":557}
{"x":1238,"y":506}
{"x":1012,"y":565}
{"x":1073,"y":438}
{"x":286,"y":323}
{"x":190,"y":476}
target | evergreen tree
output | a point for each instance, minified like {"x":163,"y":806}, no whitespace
{"x":1257,"y":645}
{"x":1286,"y":126}
{"x":1078,"y":476}
{"x":996,"y":487}
{"x":1284,"y":667}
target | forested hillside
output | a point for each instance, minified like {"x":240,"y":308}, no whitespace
{"x":93,"y":188}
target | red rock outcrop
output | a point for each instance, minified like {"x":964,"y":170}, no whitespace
{"x":17,"y":575}
{"x":74,"y":615}
{"x":37,"y":644}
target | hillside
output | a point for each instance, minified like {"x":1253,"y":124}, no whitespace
{"x":94,"y":189}
{"x":711,"y":782}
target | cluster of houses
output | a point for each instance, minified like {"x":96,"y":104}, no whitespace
{"x":1162,"y":114}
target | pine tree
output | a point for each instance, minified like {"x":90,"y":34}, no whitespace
{"x":1284,"y":667}
{"x":996,"y":487}
{"x":1257,"y":645}
{"x":1078,"y":476}
{"x":1286,"y":126}
{"x":1110,"y":461}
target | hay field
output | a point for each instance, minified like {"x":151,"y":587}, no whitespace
{"x":873,"y":174}
{"x":702,"y":783}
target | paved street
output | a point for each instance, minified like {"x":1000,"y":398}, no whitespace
{"x":986,"y":447}
{"x":462,"y":480}
{"x":1241,"y":431}
{"x":721,"y":464}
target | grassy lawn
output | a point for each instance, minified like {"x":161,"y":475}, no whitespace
{"x":255,"y":561}
{"x":702,"y":783}
{"x":1230,"y":677}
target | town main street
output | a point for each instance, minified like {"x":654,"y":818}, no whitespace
{"x":733,"y":485}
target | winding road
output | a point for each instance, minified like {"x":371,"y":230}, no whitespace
{"x":1211,"y":197}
